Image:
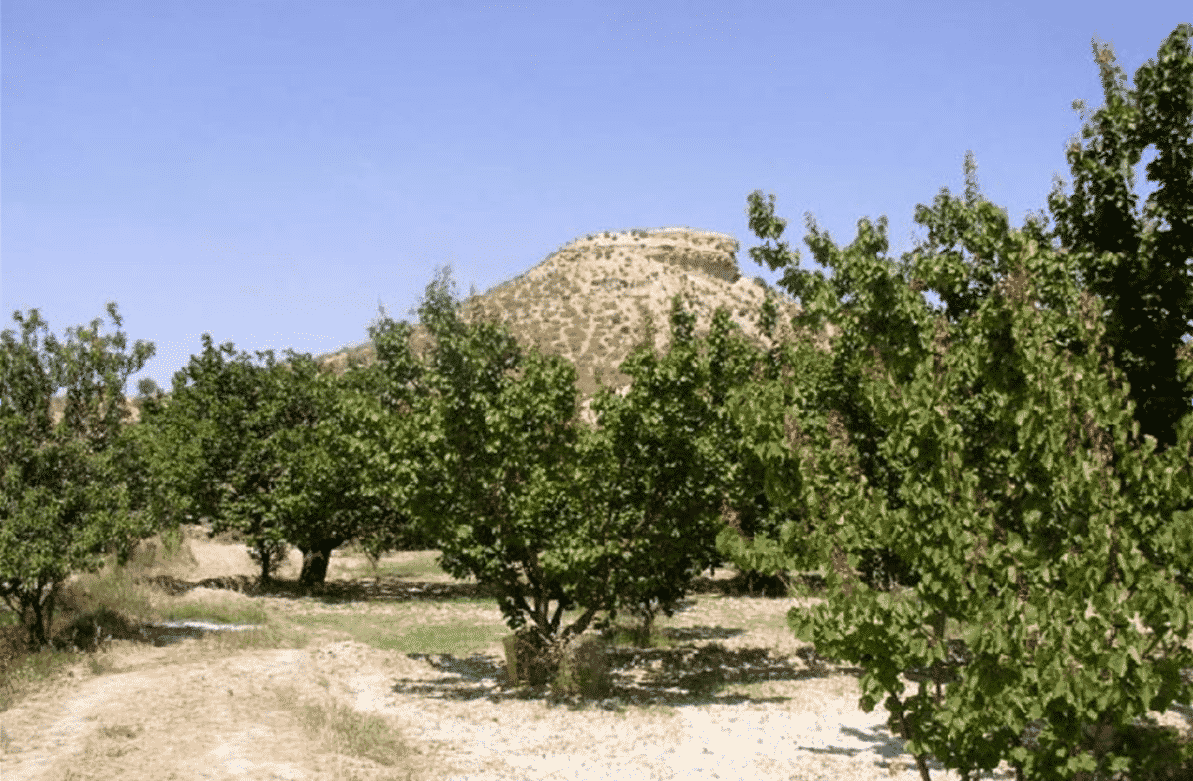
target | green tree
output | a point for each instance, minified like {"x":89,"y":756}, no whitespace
{"x":666,"y":468}
{"x":659,"y":484}
{"x":1138,"y":260}
{"x":282,"y":451}
{"x":549,"y":514}
{"x":489,"y":459}
{"x":201,"y":428}
{"x":378,"y":407}
{"x":867,"y":305}
{"x":996,"y":485}
{"x":1010,"y":481}
{"x":273,"y":492}
{"x":1039,"y":497}
{"x":327,"y":486}
{"x":768,"y":533}
{"x":200,"y":434}
{"x":64,"y":497}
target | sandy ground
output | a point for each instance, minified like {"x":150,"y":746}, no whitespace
{"x":190,"y":711}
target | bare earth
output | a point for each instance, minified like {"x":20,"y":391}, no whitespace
{"x":191,"y":711}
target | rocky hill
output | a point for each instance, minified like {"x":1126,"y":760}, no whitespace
{"x":593,"y":300}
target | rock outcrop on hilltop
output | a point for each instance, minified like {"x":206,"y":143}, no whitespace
{"x":595,"y":299}
{"x":707,"y":252}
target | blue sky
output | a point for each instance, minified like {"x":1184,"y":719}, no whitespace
{"x":269,"y":171}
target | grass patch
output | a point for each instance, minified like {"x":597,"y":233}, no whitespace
{"x":633,"y":634}
{"x":269,"y":637}
{"x":392,"y":633}
{"x":454,"y":639}
{"x":409,"y":565}
{"x":230,"y":612}
{"x":348,"y":732}
{"x":111,"y":588}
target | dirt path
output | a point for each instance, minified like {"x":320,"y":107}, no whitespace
{"x":199,"y":720}
{"x":166,"y":715}
{"x":190,"y":711}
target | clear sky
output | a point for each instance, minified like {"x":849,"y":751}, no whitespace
{"x":269,"y":170}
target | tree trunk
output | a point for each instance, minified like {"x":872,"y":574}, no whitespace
{"x":314,"y":561}
{"x":38,"y":615}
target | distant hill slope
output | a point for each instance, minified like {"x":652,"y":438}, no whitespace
{"x":590,"y":301}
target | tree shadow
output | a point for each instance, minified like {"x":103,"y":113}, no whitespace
{"x":396,"y":588}
{"x":331,"y":592}
{"x":687,"y":674}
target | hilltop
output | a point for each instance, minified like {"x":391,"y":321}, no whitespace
{"x":593,"y":300}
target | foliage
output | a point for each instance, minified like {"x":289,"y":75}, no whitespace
{"x":767,"y":533}
{"x":991,"y":453}
{"x":866,"y":306}
{"x":305,"y":474}
{"x":201,"y":434}
{"x":658,"y":468}
{"x":549,"y":514}
{"x":1137,"y":260}
{"x":272,"y":449}
{"x":201,"y":429}
{"x":64,"y":494}
{"x":1016,"y":527}
{"x":488,"y":459}
{"x":376,"y":409}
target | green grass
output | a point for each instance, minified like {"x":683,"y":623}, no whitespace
{"x":390,"y":633}
{"x":422,"y":567}
{"x":111,"y":587}
{"x":454,"y":639}
{"x":224,"y":613}
{"x":632,"y":635}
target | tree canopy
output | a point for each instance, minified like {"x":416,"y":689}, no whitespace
{"x":65,"y":496}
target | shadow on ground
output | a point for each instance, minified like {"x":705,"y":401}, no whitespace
{"x":683,"y":675}
{"x":395,"y":588}
{"x":332,"y":592}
